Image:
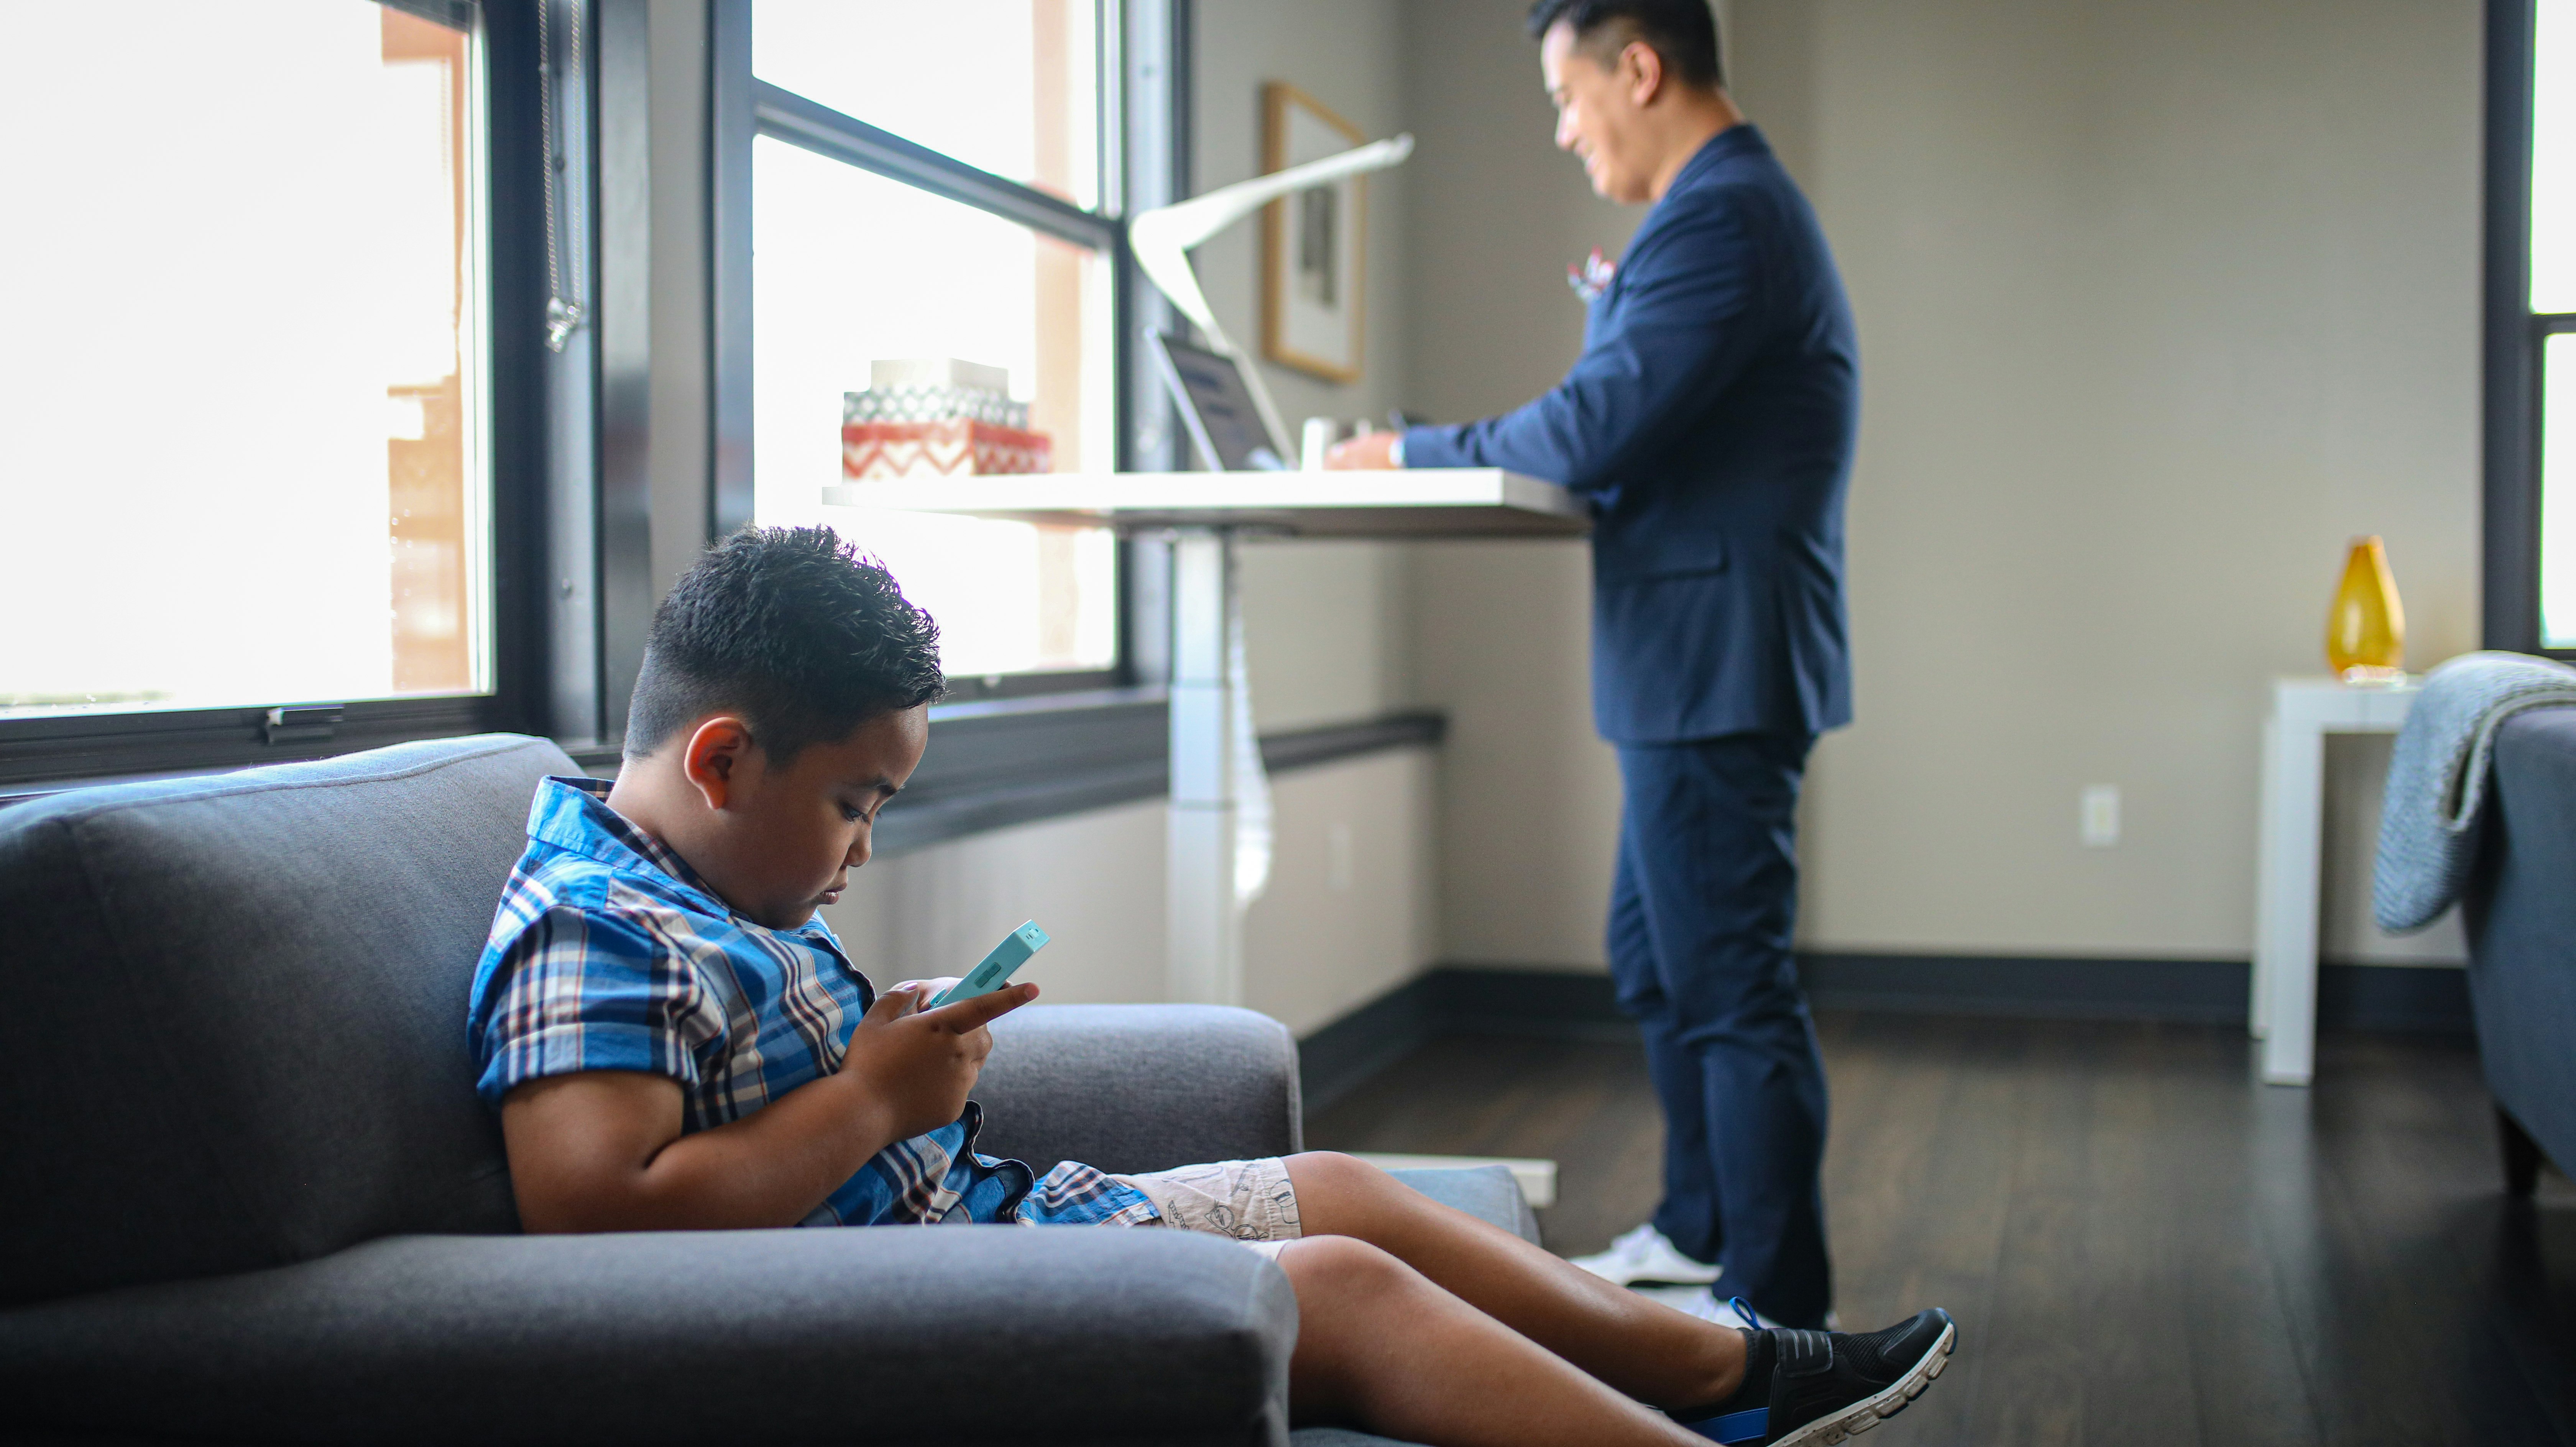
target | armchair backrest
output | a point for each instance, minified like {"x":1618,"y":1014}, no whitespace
{"x":236,"y":1011}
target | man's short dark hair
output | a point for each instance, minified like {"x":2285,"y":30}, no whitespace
{"x":792,"y":629}
{"x":1680,"y":32}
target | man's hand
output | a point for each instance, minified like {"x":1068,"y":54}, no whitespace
{"x":1362,"y":452}
{"x":917,"y":1065}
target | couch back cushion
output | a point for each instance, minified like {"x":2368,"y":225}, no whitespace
{"x":240,"y":1012}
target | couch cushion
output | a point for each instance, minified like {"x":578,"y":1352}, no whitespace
{"x":2521,"y":917}
{"x":1488,"y":1193}
{"x":241,"y":1006}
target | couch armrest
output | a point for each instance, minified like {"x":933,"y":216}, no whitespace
{"x":894,"y":1334}
{"x":1488,"y":1193}
{"x":1139,"y":1087}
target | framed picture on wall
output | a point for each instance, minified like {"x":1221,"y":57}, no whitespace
{"x":1313,"y":244}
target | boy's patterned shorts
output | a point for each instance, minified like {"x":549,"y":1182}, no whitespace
{"x":1251,"y":1201}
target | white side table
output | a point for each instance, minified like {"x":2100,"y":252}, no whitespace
{"x":2288,"y":856}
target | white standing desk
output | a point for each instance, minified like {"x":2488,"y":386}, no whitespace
{"x":1206,"y":512}
{"x":2291,"y":851}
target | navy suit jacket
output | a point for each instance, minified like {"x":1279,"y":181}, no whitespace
{"x":1710,"y":424}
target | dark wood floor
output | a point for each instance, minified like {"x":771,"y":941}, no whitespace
{"x":2141,"y":1243}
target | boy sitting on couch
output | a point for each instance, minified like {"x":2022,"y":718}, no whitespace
{"x":674,"y":1039}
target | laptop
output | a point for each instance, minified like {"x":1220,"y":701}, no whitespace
{"x":1216,"y":404}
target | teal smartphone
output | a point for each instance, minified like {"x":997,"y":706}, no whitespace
{"x":996,"y":970}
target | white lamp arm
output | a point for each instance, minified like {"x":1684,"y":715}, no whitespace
{"x":1160,"y":239}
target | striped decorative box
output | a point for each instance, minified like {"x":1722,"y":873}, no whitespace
{"x":955,"y":447}
{"x":934,"y":404}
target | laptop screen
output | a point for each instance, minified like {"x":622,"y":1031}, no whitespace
{"x":1218,"y":407}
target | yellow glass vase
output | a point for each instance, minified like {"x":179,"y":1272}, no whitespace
{"x":2366,"y":632}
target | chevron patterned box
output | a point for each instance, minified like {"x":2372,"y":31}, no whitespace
{"x":953,"y":447}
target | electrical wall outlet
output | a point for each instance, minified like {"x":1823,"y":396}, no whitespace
{"x":2098,"y":814}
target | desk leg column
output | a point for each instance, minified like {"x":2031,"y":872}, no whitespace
{"x":1202,"y":920}
{"x":2285,"y":958}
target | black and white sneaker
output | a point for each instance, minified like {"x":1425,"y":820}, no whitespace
{"x":1816,"y":1388}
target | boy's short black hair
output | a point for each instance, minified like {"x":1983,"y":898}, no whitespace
{"x":1682,"y":32}
{"x":793,"y":629}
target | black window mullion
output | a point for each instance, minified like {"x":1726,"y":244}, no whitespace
{"x":2511,"y":363}
{"x":95,"y":746}
{"x":786,"y":116}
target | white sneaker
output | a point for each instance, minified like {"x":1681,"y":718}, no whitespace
{"x":1646,"y":1254}
{"x":1701,"y":1302}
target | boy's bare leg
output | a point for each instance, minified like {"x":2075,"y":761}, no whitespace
{"x":1641,"y":1347}
{"x":1381,"y":1345}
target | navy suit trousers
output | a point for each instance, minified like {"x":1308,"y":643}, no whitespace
{"x":1700,"y":919}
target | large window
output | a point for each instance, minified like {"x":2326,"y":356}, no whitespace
{"x":248,"y":452}
{"x":2531,"y":325}
{"x":2552,"y":308}
{"x":934,"y":292}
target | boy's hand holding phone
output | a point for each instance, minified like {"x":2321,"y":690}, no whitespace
{"x":917,"y":1065}
{"x":925,"y":1040}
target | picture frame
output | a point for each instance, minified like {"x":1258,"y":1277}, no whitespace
{"x":1314,"y":245}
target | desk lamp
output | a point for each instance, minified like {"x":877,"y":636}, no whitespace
{"x":1161,"y":239}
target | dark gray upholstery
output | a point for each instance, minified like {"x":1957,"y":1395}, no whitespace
{"x":1139,"y":1087}
{"x":1488,"y":1192}
{"x":2521,"y":916}
{"x":253,"y":1197}
{"x":946,"y":1334}
{"x":252,"y":991}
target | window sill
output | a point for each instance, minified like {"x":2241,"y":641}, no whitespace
{"x":1004,"y":762}
{"x":1013,"y":763}
{"x":147,"y":748}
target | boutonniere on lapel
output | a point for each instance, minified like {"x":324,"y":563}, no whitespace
{"x":1591,"y":278}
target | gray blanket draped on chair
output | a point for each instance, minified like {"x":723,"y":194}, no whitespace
{"x":2437,"y":778}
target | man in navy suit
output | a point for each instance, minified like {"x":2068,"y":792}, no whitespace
{"x":1709,"y":423}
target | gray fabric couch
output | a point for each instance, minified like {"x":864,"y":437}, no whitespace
{"x":2520,"y":909}
{"x":252,"y":1197}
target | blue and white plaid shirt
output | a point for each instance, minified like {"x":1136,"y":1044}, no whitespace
{"x":609,"y":953}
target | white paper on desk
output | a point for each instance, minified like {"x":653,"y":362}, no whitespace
{"x":1251,"y":782}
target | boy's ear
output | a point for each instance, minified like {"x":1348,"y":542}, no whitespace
{"x":716,"y":750}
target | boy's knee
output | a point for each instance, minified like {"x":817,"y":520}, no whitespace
{"x":1344,"y":1268}
{"x":1320,"y":1172}
{"x":1343,"y":1195}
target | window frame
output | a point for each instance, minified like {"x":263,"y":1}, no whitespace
{"x":749,"y":108}
{"x":530,"y":391}
{"x":2513,"y":338}
{"x":571,"y":521}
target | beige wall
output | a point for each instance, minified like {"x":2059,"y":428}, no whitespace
{"x":1529,"y":795}
{"x":1326,"y":625}
{"x":2157,"y":306}
{"x":1348,"y":915}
